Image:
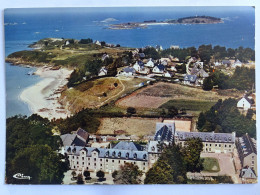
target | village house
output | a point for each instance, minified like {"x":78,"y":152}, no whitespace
{"x":97,"y":43}
{"x":174,"y":47}
{"x":248,"y":175}
{"x":159,"y":69}
{"x":190,"y":80}
{"x":246,"y":148}
{"x":128,"y":71}
{"x":212,"y":142}
{"x":237,"y":63}
{"x":244,"y":103}
{"x":167,"y":74}
{"x":102,"y":71}
{"x":158,"y":48}
{"x":140,"y":68}
{"x":150,"y":63}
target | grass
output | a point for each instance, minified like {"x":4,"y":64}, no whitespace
{"x":215,"y":180}
{"x":210,"y":165}
{"x":192,"y":105}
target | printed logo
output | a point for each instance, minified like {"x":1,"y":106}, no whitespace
{"x":21,"y":176}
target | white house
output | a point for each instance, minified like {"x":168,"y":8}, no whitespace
{"x":102,"y":71}
{"x":159,"y":69}
{"x":237,"y":63}
{"x":150,"y":63}
{"x":244,"y":103}
{"x":137,"y":67}
{"x":128,"y":71}
{"x":167,"y":74}
{"x":97,"y":42}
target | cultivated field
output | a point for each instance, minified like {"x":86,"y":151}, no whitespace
{"x":138,"y":126}
{"x":155,"y":95}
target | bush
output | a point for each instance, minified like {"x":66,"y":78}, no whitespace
{"x":100,"y":174}
{"x":131,"y":110}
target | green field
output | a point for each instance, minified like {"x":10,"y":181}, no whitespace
{"x":210,"y":165}
{"x":192,"y":105}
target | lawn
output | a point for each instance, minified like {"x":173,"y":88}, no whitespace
{"x":210,"y":164}
{"x":192,"y":105}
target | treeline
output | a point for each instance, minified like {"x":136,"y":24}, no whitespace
{"x":224,"y":117}
{"x":174,"y":163}
{"x":242,"y":79}
{"x":31,"y":150}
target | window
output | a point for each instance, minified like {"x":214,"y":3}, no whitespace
{"x":209,"y":144}
{"x":253,"y":157}
{"x":219,"y":145}
{"x":77,"y":162}
{"x":72,"y":157}
{"x":101,"y":165}
{"x":83,"y":163}
{"x":216,"y":145}
{"x":82,"y":158}
{"x":143,"y":163}
{"x":124,"y":162}
{"x":144,"y":168}
{"x":88,"y":158}
{"x":206,"y":144}
{"x":95,"y":159}
{"x":106,"y":160}
{"x":77,"y":157}
{"x":74,"y":167}
{"x":134,"y":163}
{"x":225,"y":145}
{"x":119,"y":161}
{"x":95,"y":164}
{"x":100,"y":159}
{"x":230,"y":146}
{"x":112,"y":160}
{"x":88,"y":163}
{"x":253,"y":162}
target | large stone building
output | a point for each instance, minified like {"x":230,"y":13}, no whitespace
{"x":212,"y":142}
{"x":246,"y":147}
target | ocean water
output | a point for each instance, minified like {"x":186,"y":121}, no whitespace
{"x":29,"y":25}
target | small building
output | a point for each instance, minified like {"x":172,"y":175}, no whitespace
{"x":226,"y":62}
{"x":212,"y":142}
{"x":167,"y":74}
{"x":246,"y":148}
{"x":138,"y":66}
{"x":102,"y":71}
{"x":190,"y":80}
{"x":174,"y":47}
{"x":150,"y":63}
{"x":158,"y":48}
{"x":244,"y":103}
{"x":248,"y":175}
{"x":97,"y":43}
{"x":159,"y":69}
{"x":77,"y":138}
{"x":237,"y":63}
{"x":128,"y":71}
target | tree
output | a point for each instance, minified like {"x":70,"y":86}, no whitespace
{"x":73,"y":173}
{"x":170,"y":167}
{"x":201,"y":120}
{"x":172,"y":111}
{"x":86,"y":174}
{"x":80,"y":179}
{"x":131,"y":110}
{"x":100,"y":174}
{"x":191,"y":152}
{"x":114,"y":174}
{"x":249,"y":114}
{"x":103,"y":43}
{"x":86,"y":41}
{"x":207,"y":84}
{"x":128,"y":174}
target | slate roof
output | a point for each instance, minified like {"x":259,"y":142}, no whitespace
{"x":191,"y":78}
{"x":161,"y":67}
{"x":164,"y":132}
{"x":129,"y":69}
{"x":248,"y":173}
{"x":152,"y":147}
{"x":109,"y":153}
{"x":82,"y":133}
{"x":123,"y":145}
{"x":246,"y":145}
{"x":207,"y":136}
{"x":72,"y":139}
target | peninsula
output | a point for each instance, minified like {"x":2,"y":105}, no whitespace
{"x":186,"y":20}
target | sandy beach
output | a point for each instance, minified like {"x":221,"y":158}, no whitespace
{"x":42,"y":97}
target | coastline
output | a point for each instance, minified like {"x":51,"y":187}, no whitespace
{"x":43,"y":97}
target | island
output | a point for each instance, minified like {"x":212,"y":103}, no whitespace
{"x":185,"y":20}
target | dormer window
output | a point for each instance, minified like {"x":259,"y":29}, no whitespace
{"x":74,"y":150}
{"x":153,"y":148}
{"x":107,"y":153}
{"x":113,"y":154}
{"x":144,"y":156}
{"x":127,"y":155}
{"x":119,"y":154}
{"x":135,"y":155}
{"x":69,"y":150}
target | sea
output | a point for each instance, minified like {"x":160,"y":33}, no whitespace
{"x":25,"y":26}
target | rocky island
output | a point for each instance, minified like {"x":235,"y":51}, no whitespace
{"x":186,"y":20}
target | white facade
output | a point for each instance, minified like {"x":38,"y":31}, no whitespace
{"x":150,"y":63}
{"x":157,"y":70}
{"x":244,"y":104}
